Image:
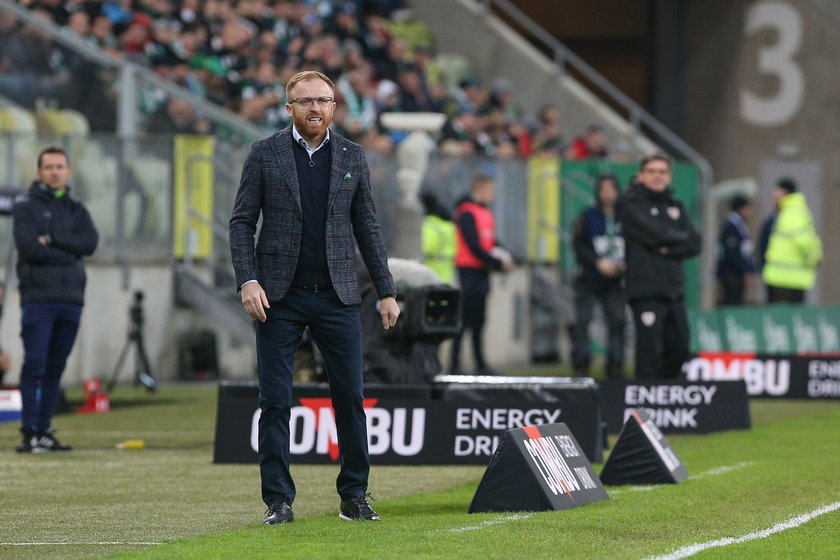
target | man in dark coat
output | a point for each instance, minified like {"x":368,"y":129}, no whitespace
{"x":52,"y":233}
{"x":312,"y":188}
{"x":736,"y":264}
{"x":658,"y":235}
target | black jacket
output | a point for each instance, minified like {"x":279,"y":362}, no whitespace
{"x":53,"y":272}
{"x":593,"y":240}
{"x":658,"y":235}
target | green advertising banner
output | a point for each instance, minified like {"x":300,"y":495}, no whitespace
{"x":828,"y":328}
{"x":742,"y":330}
{"x":706,"y":332}
{"x":777,"y":334}
{"x":772,"y":329}
{"x":805,"y":329}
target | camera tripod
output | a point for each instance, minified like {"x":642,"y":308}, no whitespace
{"x":142,"y":368}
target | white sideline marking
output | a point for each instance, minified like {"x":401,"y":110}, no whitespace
{"x":498,"y":521}
{"x":722,"y":470}
{"x":713,"y":472}
{"x":74,"y":543}
{"x":791,"y":523}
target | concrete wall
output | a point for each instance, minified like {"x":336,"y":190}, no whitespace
{"x":793,"y":130}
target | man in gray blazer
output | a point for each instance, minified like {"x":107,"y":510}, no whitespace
{"x":312,"y":187}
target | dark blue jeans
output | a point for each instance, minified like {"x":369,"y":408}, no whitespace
{"x":48,"y":331}
{"x":337,"y":331}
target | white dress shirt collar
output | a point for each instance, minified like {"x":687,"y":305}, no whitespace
{"x":299,"y":139}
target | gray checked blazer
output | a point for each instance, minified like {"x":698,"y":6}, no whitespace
{"x":269,"y":185}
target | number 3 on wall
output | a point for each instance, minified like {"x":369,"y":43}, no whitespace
{"x":775,"y":60}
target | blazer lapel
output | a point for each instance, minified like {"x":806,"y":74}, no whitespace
{"x":283,"y":151}
{"x":339,"y":164}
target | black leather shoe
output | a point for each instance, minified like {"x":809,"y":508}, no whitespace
{"x":357,"y":509}
{"x":278,"y":514}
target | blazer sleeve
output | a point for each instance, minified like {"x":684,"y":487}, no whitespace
{"x":368,"y":233}
{"x":246,"y":213}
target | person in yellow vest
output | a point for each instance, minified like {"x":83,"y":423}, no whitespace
{"x":794,"y":249}
{"x":477,"y":252}
{"x":438,"y":238}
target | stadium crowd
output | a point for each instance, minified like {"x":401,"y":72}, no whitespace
{"x":239,"y":54}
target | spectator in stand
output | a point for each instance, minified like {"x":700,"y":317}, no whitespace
{"x":736,"y":263}
{"x":548,"y":132}
{"x":794,"y":250}
{"x":57,"y":9}
{"x":345,"y":24}
{"x":79,"y":23}
{"x":414,"y":97}
{"x":102,"y":35}
{"x":599,"y":248}
{"x":460,"y":135}
{"x":592,"y":145}
{"x":387,"y":96}
{"x":177,"y":117}
{"x":136,"y":37}
{"x":376,"y":41}
{"x":355,"y":87}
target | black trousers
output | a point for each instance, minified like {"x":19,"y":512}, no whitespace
{"x":474,"y":314}
{"x":784,"y":295}
{"x":662,"y":337}
{"x":336,"y":329}
{"x":610,"y":296}
{"x":475,"y":286}
{"x":733,"y":289}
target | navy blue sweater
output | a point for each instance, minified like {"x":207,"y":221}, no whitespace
{"x":314,"y":181}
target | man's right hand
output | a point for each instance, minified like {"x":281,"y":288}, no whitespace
{"x":254,"y":301}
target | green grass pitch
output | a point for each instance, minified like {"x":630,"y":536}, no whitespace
{"x":98,"y":501}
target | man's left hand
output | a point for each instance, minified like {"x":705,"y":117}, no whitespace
{"x":389,"y":311}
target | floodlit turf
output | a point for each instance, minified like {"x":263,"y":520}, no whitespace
{"x":171,"y":493}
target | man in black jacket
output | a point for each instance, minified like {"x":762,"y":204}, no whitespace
{"x":658,"y":235}
{"x":52,"y":233}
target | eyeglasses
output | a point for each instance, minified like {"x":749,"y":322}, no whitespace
{"x":307,"y":102}
{"x":656,"y":170}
